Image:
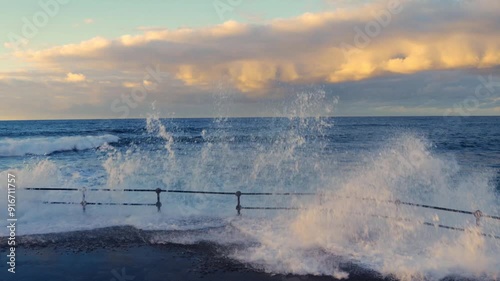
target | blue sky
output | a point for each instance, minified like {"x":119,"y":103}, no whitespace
{"x":101,"y":59}
{"x":113,"y":18}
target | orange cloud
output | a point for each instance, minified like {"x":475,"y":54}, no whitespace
{"x":345,"y":45}
{"x":87,"y":48}
{"x":75,"y":77}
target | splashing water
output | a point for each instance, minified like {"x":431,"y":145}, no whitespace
{"x":354,"y":167}
{"x":154,"y":126}
{"x":318,"y":239}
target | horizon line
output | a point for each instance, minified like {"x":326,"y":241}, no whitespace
{"x":253,"y":117}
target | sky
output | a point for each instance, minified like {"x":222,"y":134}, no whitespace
{"x":75,"y":59}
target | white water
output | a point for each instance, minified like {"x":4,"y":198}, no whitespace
{"x":310,"y":241}
{"x":48,"y":145}
{"x":406,"y":170}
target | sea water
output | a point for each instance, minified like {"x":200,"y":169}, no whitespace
{"x":354,"y":166}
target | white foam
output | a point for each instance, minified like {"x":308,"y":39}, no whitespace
{"x":311,"y":241}
{"x":48,"y":145}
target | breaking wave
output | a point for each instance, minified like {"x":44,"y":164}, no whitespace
{"x":318,"y":237}
{"x":49,"y":145}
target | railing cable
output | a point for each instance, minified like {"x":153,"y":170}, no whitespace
{"x":477,"y":214}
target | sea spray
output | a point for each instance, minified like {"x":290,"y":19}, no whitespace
{"x":355,"y":222}
{"x":360,"y":158}
{"x":154,"y":126}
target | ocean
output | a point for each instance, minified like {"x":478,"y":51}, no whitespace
{"x":352,"y":169}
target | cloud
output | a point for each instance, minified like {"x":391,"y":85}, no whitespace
{"x":131,"y":84}
{"x":347,"y":44}
{"x":86,"y":49}
{"x":424,"y":60}
{"x":88,"y":21}
{"x":75,"y":77}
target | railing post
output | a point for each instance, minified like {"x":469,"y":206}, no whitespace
{"x":83,"y":203}
{"x":398,"y":205}
{"x":158,"y":203}
{"x":478,"y":214}
{"x":238,"y":207}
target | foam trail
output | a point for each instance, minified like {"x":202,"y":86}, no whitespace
{"x":48,"y":145}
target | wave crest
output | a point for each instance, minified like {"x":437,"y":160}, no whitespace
{"x":48,"y":145}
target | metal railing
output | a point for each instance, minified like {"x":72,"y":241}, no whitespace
{"x":478,"y":214}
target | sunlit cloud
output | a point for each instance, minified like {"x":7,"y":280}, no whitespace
{"x":87,"y":49}
{"x":331,"y":47}
{"x":75,"y":77}
{"x":131,"y":84}
{"x":340,"y":49}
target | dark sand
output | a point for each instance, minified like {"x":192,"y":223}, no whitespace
{"x":123,"y":254}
